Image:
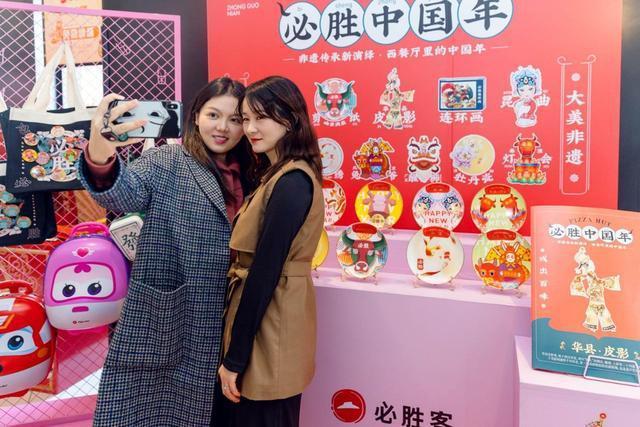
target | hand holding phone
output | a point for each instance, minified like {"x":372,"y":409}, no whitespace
{"x":163,"y":118}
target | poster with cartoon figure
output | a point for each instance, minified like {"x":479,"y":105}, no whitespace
{"x":335,"y":100}
{"x":527,"y":161}
{"x":462,"y":94}
{"x":372,"y":161}
{"x":423,"y":161}
{"x":585,"y":293}
{"x":449,"y":86}
{"x":394,"y":114}
{"x":526,"y":95}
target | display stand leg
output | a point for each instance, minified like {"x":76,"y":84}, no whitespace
{"x":452,"y":286}
{"x":602,"y":364}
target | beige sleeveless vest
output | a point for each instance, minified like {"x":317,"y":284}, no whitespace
{"x":282,"y":360}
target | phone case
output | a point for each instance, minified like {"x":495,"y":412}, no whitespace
{"x":164,"y":119}
{"x":125,"y":232}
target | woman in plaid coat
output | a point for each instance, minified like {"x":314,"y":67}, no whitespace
{"x":161,"y":368}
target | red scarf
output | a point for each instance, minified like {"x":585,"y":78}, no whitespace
{"x":231,"y":175}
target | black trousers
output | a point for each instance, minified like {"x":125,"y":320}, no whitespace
{"x":257,"y":413}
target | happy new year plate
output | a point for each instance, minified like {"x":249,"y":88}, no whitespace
{"x":498,"y":206}
{"x":438,"y":205}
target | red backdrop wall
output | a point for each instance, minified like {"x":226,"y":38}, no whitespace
{"x":571,"y":52}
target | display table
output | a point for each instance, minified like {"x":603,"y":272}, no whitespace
{"x":552,"y":399}
{"x":413,"y":351}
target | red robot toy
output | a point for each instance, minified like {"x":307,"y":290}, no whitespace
{"x":26,"y":339}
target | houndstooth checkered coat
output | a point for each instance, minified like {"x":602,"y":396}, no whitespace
{"x":161,"y":367}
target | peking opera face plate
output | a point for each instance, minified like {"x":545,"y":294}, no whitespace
{"x":502,"y":259}
{"x":435,"y":255}
{"x":380,"y":204}
{"x":438,"y":205}
{"x":361,"y":250}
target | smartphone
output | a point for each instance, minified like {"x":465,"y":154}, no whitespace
{"x":164,"y":118}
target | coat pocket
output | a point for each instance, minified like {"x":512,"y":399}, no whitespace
{"x":151,"y":328}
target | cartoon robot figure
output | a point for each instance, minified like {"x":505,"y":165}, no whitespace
{"x":588,"y":285}
{"x":86,"y":280}
{"x":393,"y":98}
{"x":26,"y":340}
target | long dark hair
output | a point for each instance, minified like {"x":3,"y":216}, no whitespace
{"x":279,"y":99}
{"x":195,"y":146}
